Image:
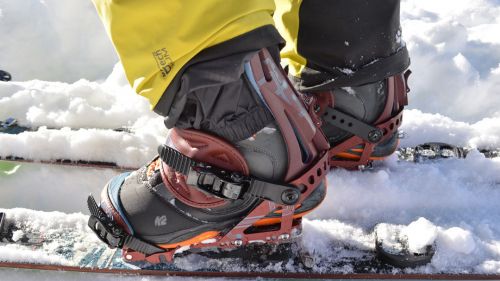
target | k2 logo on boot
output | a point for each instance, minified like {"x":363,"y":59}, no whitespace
{"x":160,"y":221}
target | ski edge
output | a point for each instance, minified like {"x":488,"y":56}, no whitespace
{"x":70,"y":163}
{"x":239,"y":274}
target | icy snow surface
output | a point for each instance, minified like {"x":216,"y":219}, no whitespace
{"x":455,"y":98}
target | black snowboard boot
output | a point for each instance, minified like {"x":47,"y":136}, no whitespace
{"x":361,"y":123}
{"x":205,"y":192}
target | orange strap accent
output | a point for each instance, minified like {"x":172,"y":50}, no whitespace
{"x":195,"y":240}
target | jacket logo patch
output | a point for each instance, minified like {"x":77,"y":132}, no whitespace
{"x":160,"y":221}
{"x":164,"y":61}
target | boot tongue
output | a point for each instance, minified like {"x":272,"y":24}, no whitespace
{"x":204,"y":148}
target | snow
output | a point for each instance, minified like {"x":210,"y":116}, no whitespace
{"x":420,"y":233}
{"x":109,"y":104}
{"x":72,"y":79}
{"x":422,"y":127}
{"x":41,"y":222}
{"x":88,"y":105}
{"x":454,"y":46}
{"x":458,"y":240}
{"x":450,"y":194}
{"x":416,"y":236}
{"x":124,"y":149}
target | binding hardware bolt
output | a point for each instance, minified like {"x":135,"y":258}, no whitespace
{"x":284,"y":236}
{"x":375,"y":135}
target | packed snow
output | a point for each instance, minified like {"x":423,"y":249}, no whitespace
{"x":418,"y":235}
{"x":66,"y":75}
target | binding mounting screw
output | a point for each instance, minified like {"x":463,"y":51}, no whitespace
{"x":238,"y":242}
{"x":375,"y":135}
{"x":284,"y":236}
{"x":128,"y":257}
{"x":290,"y":196}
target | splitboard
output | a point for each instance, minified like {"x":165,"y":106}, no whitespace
{"x":10,"y":161}
{"x":421,"y":153}
{"x":62,"y":242}
{"x":58,"y":241}
{"x":51,"y":240}
{"x":11,"y":126}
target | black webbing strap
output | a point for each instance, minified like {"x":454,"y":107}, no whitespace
{"x":176,"y":160}
{"x":226,"y":184}
{"x":112,"y":234}
{"x":2,"y":222}
{"x":352,"y":125}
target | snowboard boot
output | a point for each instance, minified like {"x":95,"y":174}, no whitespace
{"x":202,"y":192}
{"x":361,"y":123}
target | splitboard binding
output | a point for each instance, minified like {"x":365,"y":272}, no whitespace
{"x":241,"y":235}
{"x":433,"y":151}
{"x":200,"y":193}
{"x":361,"y":123}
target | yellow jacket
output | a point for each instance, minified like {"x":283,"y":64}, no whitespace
{"x":155,"y":38}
